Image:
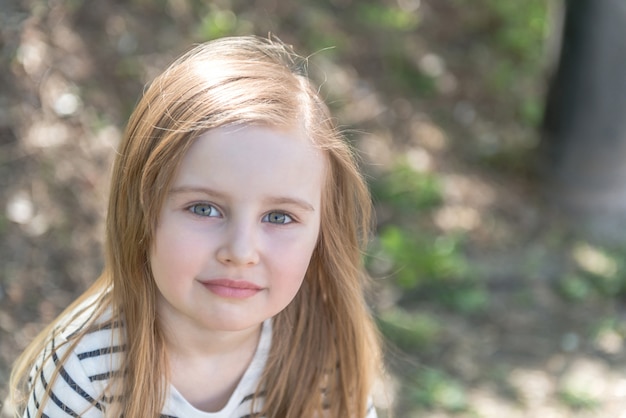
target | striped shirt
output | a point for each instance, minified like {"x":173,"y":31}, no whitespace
{"x":82,"y":386}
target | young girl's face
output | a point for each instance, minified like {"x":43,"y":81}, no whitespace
{"x":238,"y":227}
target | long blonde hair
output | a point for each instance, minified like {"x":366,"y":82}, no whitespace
{"x":325,"y":351}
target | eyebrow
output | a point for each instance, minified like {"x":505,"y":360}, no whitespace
{"x":275,"y":200}
{"x":194,"y":189}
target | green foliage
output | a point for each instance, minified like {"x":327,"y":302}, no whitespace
{"x":407,"y":189}
{"x":609,"y":286}
{"x":466,"y":297}
{"x":405,"y":75}
{"x":577,"y":399}
{"x":573,"y":287}
{"x":412,"y":332}
{"x":216,"y":24}
{"x":434,"y":267}
{"x":609,"y":325}
{"x":433,"y":389}
{"x":531,"y":110}
{"x":512,"y":38}
{"x":387,"y":17}
{"x":595,"y":272}
{"x":514,"y":32}
{"x":421,"y":260}
{"x":320,"y":32}
{"x":519,"y":29}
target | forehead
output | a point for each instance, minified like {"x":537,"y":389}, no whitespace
{"x":255,"y":159}
{"x":238,"y":141}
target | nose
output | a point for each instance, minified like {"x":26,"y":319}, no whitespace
{"x":239,"y":245}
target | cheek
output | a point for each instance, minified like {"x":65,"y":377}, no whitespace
{"x":173,"y":253}
{"x":294,"y":277}
{"x":291,"y":263}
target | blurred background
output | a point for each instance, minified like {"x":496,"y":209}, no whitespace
{"x":493,"y":136}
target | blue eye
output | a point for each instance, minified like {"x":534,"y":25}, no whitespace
{"x":203,"y":209}
{"x":279,"y":218}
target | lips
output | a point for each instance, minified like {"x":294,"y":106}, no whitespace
{"x":232,"y":289}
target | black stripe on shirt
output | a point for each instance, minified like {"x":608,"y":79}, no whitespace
{"x":250,"y":396}
{"x":105,"y":376}
{"x":55,"y":399}
{"x":101,"y":351}
{"x":110,"y":324}
{"x":72,"y":384}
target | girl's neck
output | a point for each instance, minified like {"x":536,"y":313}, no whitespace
{"x":211,"y":343}
{"x":189,"y":340}
{"x":206,"y":367}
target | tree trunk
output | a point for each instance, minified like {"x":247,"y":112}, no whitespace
{"x":584,"y":132}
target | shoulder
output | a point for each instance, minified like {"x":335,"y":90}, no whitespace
{"x":70,"y":376}
{"x":94,"y":338}
{"x":98,"y":346}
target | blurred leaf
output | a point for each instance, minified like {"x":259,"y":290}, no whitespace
{"x":411,"y":332}
{"x":420,"y":260}
{"x":408,"y":189}
{"x":602,"y":270}
{"x":531,"y":111}
{"x":386,"y":17}
{"x":578,"y":399}
{"x":216,"y":24}
{"x":433,"y":389}
{"x":574,"y":287}
{"x":467,"y":298}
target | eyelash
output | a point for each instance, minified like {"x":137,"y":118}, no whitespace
{"x":282,"y":214}
{"x":211,"y":208}
{"x":266,"y":218}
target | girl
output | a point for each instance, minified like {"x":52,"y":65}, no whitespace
{"x":233,"y":279}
